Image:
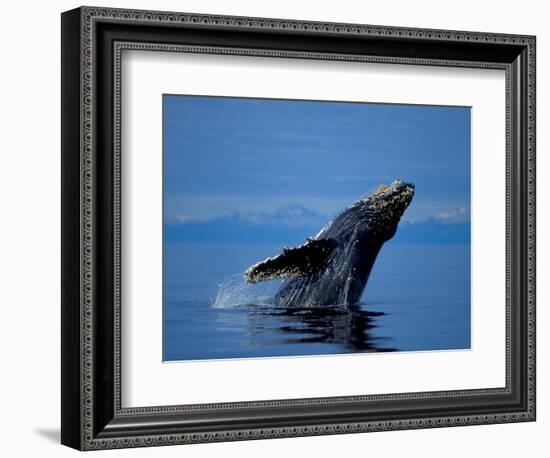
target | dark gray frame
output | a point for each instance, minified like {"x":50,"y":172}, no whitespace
{"x":92,"y":42}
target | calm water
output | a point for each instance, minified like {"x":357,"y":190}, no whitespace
{"x":417,"y":298}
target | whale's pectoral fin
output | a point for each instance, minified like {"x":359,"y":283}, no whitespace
{"x":293,"y":262}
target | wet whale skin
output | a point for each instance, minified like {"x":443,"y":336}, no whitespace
{"x":333,"y":267}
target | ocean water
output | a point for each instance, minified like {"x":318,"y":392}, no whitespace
{"x":417,"y":299}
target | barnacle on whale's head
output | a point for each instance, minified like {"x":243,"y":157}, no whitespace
{"x":397,"y":196}
{"x":383,"y":209}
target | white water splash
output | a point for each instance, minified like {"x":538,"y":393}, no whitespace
{"x":235,"y":291}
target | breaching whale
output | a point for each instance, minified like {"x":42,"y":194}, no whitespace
{"x":333,"y":267}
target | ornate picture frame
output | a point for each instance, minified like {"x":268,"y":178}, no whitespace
{"x":93,"y":416}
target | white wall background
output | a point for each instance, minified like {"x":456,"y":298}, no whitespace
{"x":30,"y":240}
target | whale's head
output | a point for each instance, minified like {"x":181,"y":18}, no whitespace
{"x":384,"y":207}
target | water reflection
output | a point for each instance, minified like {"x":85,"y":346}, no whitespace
{"x":426,"y":306}
{"x":346,"y":326}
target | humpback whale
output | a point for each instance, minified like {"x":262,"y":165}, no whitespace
{"x":333,"y":267}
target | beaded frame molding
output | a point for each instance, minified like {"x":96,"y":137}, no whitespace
{"x":92,"y":42}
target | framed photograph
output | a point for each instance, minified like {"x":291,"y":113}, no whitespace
{"x":276,"y":228}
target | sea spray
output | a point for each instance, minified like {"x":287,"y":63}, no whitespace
{"x":234,"y":291}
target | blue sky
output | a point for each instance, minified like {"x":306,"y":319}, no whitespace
{"x":258,"y":157}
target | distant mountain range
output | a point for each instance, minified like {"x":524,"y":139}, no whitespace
{"x":291,"y":225}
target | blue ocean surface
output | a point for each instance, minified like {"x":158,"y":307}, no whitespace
{"x":417,"y":299}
